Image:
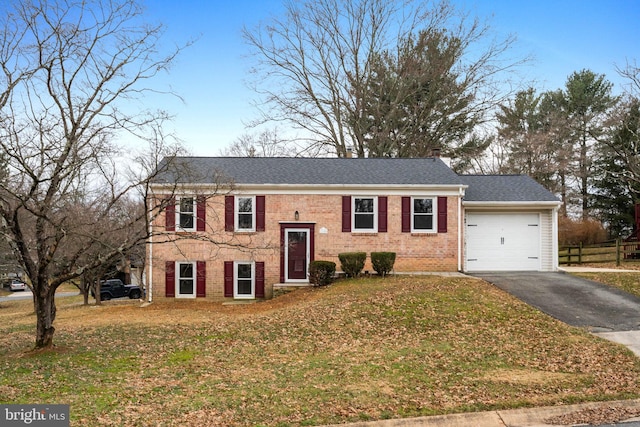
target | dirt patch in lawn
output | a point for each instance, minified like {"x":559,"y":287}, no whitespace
{"x":528,"y":377}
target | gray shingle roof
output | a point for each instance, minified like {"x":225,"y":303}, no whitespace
{"x":355,"y":171}
{"x":309,"y":171}
{"x":505,"y":188}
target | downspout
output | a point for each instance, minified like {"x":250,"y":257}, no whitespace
{"x":150,"y":261}
{"x":554,"y":238}
{"x":460,"y":194}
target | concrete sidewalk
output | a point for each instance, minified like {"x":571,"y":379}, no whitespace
{"x":528,"y":417}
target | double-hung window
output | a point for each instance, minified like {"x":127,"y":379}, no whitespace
{"x":245,"y":213}
{"x":244,"y":277}
{"x":186,"y":280}
{"x":186,"y":214}
{"x":423,"y":219}
{"x":365,"y":211}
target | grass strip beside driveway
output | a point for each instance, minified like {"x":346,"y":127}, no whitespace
{"x":358,"y":350}
{"x":628,"y":282}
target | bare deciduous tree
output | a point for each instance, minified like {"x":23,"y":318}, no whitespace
{"x":631,"y":72}
{"x":267,"y":143}
{"x":316,"y":67}
{"x":72,"y":74}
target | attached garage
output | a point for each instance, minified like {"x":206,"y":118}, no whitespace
{"x":510,"y":224}
{"x":503,"y":241}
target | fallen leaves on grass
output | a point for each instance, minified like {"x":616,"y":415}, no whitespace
{"x":628,"y":282}
{"x":357,"y":350}
{"x":603,"y":414}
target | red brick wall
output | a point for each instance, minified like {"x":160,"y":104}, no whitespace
{"x":415,"y":252}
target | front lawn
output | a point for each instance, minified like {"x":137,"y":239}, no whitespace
{"x":359,"y":350}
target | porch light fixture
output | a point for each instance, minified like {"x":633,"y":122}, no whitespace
{"x":296,"y":216}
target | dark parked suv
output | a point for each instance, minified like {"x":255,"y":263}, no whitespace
{"x":114,"y":288}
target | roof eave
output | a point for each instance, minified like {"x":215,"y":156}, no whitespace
{"x":512,"y":204}
{"x":310,"y":187}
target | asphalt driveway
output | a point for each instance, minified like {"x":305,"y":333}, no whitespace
{"x":572,"y":300}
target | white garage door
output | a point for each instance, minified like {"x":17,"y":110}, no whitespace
{"x":502,"y":242}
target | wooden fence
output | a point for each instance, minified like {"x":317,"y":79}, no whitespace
{"x":617,"y":251}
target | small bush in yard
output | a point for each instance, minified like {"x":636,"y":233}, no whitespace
{"x":383,"y":262}
{"x":321,"y":273}
{"x":352,"y":263}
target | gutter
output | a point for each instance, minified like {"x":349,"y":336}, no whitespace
{"x":524,"y":205}
{"x":460,"y":228}
{"x":554,"y":238}
{"x":327,"y":189}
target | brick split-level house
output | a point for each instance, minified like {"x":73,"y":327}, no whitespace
{"x":235,"y":227}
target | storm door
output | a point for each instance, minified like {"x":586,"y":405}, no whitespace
{"x":296,"y":254}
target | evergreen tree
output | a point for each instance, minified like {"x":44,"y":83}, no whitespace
{"x":418,"y":101}
{"x":587,"y":102}
{"x":525,"y":132}
{"x":617,"y":170}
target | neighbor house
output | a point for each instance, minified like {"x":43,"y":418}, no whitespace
{"x":234,"y":228}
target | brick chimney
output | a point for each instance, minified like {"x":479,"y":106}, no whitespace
{"x":349,"y":153}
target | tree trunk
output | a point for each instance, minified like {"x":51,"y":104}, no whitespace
{"x":45,"y":315}
{"x":98,"y":289}
{"x":584,"y":178}
{"x":563,"y":194}
{"x":85,"y":288}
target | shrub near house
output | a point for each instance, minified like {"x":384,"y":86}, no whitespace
{"x":383,"y":262}
{"x":238,"y":226}
{"x":352,"y":263}
{"x":321,"y":273}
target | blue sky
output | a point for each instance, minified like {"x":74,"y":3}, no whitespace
{"x":563,"y":36}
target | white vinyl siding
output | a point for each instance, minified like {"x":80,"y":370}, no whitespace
{"x":548,"y":261}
